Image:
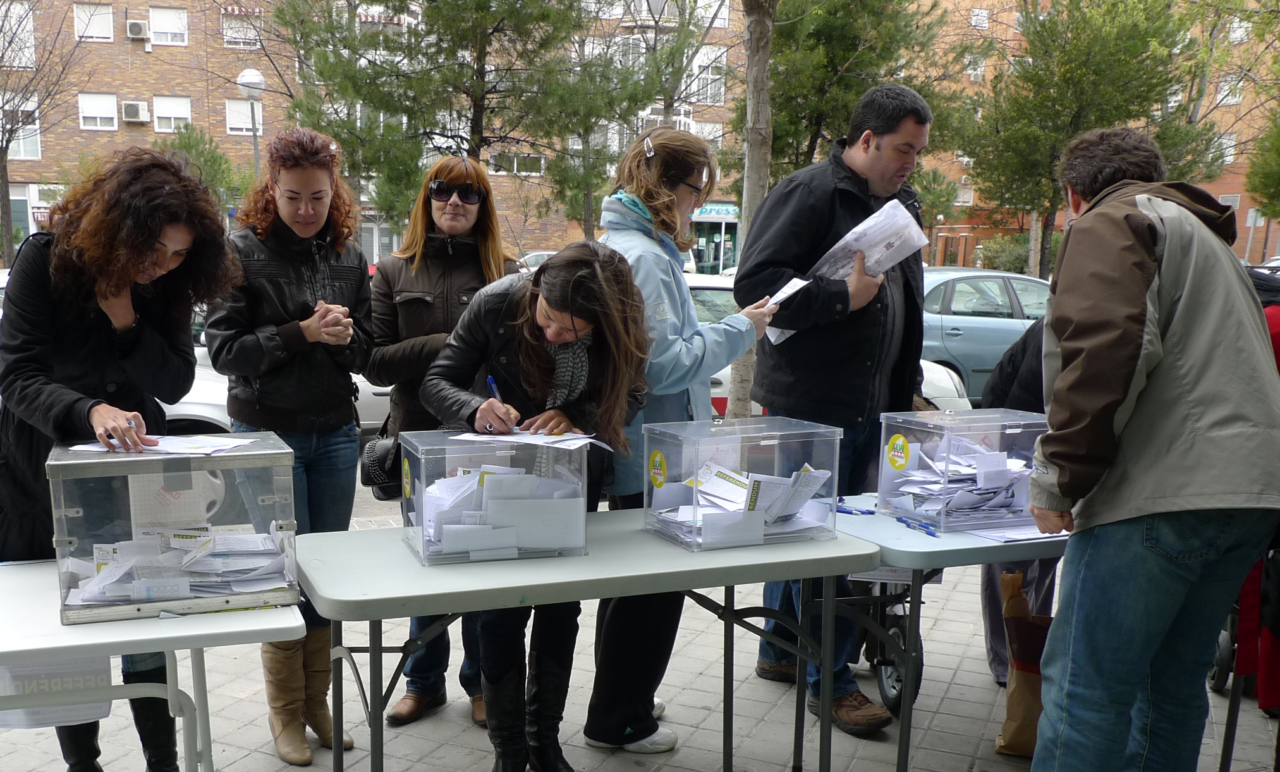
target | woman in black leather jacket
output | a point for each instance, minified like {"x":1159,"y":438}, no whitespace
{"x":289,"y":339}
{"x":566,"y":348}
{"x":451,"y":249}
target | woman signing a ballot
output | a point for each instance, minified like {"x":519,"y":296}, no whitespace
{"x":565,"y":348}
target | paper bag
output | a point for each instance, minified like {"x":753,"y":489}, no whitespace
{"x":1026,"y":635}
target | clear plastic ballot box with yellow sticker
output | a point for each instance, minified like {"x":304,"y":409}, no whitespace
{"x":741,"y":482}
{"x":500,"y":498}
{"x":195,"y":524}
{"x":958,"y":471}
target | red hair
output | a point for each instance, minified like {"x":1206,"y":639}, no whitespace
{"x":301,"y":149}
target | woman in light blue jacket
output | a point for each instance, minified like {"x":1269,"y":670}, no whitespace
{"x":662,"y":179}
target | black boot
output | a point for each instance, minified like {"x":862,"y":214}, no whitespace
{"x":544,"y":709}
{"x":504,"y":705}
{"x":154,"y":724}
{"x":80,"y":747}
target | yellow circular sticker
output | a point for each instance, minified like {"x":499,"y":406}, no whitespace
{"x":898,"y":452}
{"x":405,"y":480}
{"x":658,"y":469}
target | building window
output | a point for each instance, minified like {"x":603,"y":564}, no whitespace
{"x":239,"y":120}
{"x":1230,"y":91}
{"x":523,"y":164}
{"x":603,"y":9}
{"x":1232,"y":200}
{"x":1238,"y":31}
{"x":975,"y":66}
{"x":169,"y":26}
{"x":707,"y":76}
{"x":98,"y":112}
{"x":238,"y":32}
{"x":965,"y":196}
{"x":171,"y":113}
{"x":94,"y":22}
{"x":713,"y":133}
{"x":26,"y":143}
{"x":705,"y":8}
{"x":19,"y":36}
{"x":1227,"y":147}
{"x":980,"y":18}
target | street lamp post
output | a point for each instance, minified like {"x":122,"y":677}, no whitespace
{"x":251,"y":85}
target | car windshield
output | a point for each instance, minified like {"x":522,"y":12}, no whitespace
{"x":713,"y":305}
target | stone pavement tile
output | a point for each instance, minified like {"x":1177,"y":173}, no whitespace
{"x":964,"y":725}
{"x":938,"y":761}
{"x":406,"y":746}
{"x":1004,"y":764}
{"x":30,"y":760}
{"x":256,"y":762}
{"x":966,"y":745}
{"x":630,"y":762}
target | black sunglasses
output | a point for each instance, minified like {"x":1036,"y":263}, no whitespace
{"x":442,"y":191}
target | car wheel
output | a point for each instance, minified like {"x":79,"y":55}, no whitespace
{"x":225,"y":505}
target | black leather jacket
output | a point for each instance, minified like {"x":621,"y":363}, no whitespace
{"x":279,"y":381}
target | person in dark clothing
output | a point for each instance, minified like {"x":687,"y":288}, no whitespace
{"x":452,"y":248}
{"x":97,"y":327}
{"x":289,"y":339}
{"x":566,"y":349}
{"x":1017,"y":384}
{"x":856,"y":349}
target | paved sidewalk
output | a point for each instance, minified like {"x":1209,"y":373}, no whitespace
{"x":957,"y":718}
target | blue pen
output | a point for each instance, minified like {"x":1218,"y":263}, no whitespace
{"x":493,"y":388}
{"x":845,"y":509}
{"x":921,"y":527}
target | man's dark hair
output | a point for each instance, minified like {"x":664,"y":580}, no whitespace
{"x":1098,"y":159}
{"x":883,"y":109}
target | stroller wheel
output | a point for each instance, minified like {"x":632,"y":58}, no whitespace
{"x":1223,"y":662}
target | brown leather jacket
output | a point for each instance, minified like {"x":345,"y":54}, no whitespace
{"x":413,"y":314}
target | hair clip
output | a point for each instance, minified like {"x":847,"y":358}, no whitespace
{"x":649,"y":152}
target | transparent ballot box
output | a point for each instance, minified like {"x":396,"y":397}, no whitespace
{"x":205,"y":526}
{"x":740,"y":482}
{"x":492,"y":499}
{"x":958,"y":471}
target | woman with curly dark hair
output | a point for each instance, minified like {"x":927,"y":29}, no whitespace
{"x":97,"y":327}
{"x":290,"y":338}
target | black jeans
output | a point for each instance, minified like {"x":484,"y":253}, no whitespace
{"x":555,"y":631}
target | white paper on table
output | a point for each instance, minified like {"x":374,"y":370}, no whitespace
{"x":245,"y":542}
{"x":260,"y":584}
{"x":200,"y":445}
{"x":465,"y":538}
{"x":542,"y":523}
{"x":1014,"y":533}
{"x":732,"y":529}
{"x":569,"y":441}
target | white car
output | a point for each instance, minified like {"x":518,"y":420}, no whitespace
{"x":713,"y":301}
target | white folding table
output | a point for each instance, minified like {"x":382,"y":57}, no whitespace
{"x":33,"y":634}
{"x":371,"y":576}
{"x":902,"y":547}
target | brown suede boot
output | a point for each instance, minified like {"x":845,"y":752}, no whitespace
{"x":286,"y":690}
{"x":315,"y":709}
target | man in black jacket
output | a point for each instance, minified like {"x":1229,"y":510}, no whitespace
{"x":856,"y":351}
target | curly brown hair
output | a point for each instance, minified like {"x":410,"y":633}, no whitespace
{"x":591,"y":282}
{"x":302,"y":149}
{"x":655,"y":164}
{"x":105,"y":230}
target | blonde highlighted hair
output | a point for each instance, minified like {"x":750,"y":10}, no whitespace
{"x":456,"y":170}
{"x":656,"y":164}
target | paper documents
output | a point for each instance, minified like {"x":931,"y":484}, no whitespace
{"x":886,"y":238}
{"x":202,"y":445}
{"x":964,"y":481}
{"x":519,"y":436}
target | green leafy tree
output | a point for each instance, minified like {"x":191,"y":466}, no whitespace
{"x":937,"y":195}
{"x":216,"y":170}
{"x":1263,"y":180}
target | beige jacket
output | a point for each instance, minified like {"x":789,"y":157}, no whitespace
{"x":1160,"y":379}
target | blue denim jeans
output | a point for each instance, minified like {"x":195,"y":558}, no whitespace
{"x":324,"y":486}
{"x":1141,"y":605}
{"x":858,"y":449}
{"x":424,"y":672}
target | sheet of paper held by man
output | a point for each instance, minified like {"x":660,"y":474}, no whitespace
{"x":886,"y":238}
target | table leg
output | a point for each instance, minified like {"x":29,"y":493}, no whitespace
{"x":828,"y":661}
{"x":335,"y":690}
{"x":914,"y":657}
{"x":375,"y":696}
{"x":802,"y":676}
{"x":200,"y":692}
{"x":728,"y":677}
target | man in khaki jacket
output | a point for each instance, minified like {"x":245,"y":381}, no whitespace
{"x":1164,"y":429}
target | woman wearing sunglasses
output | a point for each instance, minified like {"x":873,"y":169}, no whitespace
{"x":451,"y":249}
{"x":566,"y":350}
{"x":662,"y":179}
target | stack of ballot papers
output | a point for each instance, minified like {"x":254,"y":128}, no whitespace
{"x":571,"y":441}
{"x":493,"y":512}
{"x":719,"y":505}
{"x":963,"y":486}
{"x":173,"y":564}
{"x":183,"y":446}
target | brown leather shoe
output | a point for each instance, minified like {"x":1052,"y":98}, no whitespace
{"x":412,"y":707}
{"x":477,"y":710}
{"x":855,"y":714}
{"x":780,"y":673}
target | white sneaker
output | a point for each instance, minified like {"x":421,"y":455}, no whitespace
{"x":659,"y":707}
{"x":660,"y":741}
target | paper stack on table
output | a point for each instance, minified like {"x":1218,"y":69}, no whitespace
{"x":522,"y":437}
{"x":178,"y":564}
{"x":966,"y":481}
{"x":186,"y":446}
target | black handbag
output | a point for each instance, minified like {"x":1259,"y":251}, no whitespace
{"x":380,"y":465}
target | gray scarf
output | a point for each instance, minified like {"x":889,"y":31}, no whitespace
{"x":572,"y":367}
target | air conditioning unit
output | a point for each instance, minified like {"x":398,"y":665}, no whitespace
{"x":967,"y":163}
{"x":136,"y":112}
{"x":136,"y":29}
{"x":965,"y":180}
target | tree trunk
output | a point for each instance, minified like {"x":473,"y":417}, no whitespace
{"x":588,"y":213}
{"x":757,"y":133}
{"x":6,"y":211}
{"x":1046,"y":238}
{"x":1033,"y":254}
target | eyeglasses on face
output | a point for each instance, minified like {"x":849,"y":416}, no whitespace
{"x":468,"y":193}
